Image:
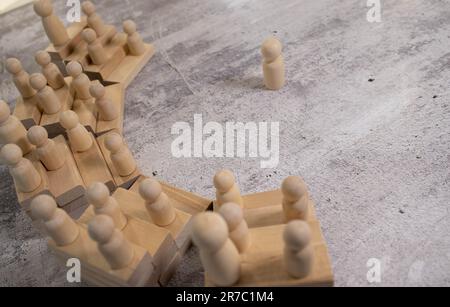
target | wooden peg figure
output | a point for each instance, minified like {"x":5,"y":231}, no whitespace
{"x":94,"y":20}
{"x":273,"y":64}
{"x":51,"y":72}
{"x":79,"y":138}
{"x":12,"y":130}
{"x":98,"y":195}
{"x":80,"y":82}
{"x":134,"y":39}
{"x":295,"y":199}
{"x":106,"y":108}
{"x":298,"y":251}
{"x":227,"y":189}
{"x":47,"y":98}
{"x":57,"y":223}
{"x":53,"y":26}
{"x":237,"y":226}
{"x":21,"y":78}
{"x":25,"y":175}
{"x":121,"y":156}
{"x":95,"y":48}
{"x":219,"y":256}
{"x":157,"y":202}
{"x":47,"y":151}
{"x":112,"y":244}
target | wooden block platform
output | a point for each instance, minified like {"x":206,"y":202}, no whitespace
{"x":27,"y":111}
{"x":116,"y":93}
{"x":262,"y":264}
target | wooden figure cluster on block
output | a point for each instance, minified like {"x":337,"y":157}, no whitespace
{"x":264,"y":239}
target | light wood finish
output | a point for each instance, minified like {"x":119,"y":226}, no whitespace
{"x":227,"y":189}
{"x":80,"y":81}
{"x":298,"y":251}
{"x":130,"y":66}
{"x":12,"y":130}
{"x":265,"y":209}
{"x":53,"y":26}
{"x":65,"y":183}
{"x":46,"y":150}
{"x":26,"y":177}
{"x":95,"y":48}
{"x":273,"y":64}
{"x":20,"y":77}
{"x":92,"y":166}
{"x":120,"y":181}
{"x":295,"y":199}
{"x":157,"y":203}
{"x":99,"y":196}
{"x":87,"y":113}
{"x":263,"y":265}
{"x":135,"y":43}
{"x":96,"y":270}
{"x":182,"y":200}
{"x":237,"y":227}
{"x":57,"y":224}
{"x":171,"y":269}
{"x":48,"y":101}
{"x":94,"y":20}
{"x":114,"y":94}
{"x":219,"y":256}
{"x":51,"y":122}
{"x":27,"y":111}
{"x":79,"y":138}
{"x":120,"y":155}
{"x":50,"y":70}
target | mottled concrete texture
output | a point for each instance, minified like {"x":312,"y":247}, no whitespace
{"x":375,"y":154}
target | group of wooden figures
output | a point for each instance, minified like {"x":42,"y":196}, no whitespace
{"x":77,"y":179}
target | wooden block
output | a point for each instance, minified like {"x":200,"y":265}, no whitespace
{"x":170,"y":271}
{"x":87,"y":113}
{"x":115,"y":54}
{"x":80,"y":52}
{"x":27,"y":111}
{"x":133,"y":205}
{"x":185,"y":201}
{"x":65,"y":184}
{"x":156,"y":240}
{"x":122,"y":182}
{"x":51,"y":121}
{"x":117,"y":95}
{"x":25,"y":199}
{"x":262,"y":264}
{"x":92,"y":166}
{"x":265,"y":209}
{"x":97,"y":270}
{"x":58,"y":54}
{"x":130,"y":66}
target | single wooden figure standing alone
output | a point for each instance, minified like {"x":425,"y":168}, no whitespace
{"x":273,"y":64}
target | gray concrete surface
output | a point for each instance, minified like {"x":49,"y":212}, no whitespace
{"x":375,"y":154}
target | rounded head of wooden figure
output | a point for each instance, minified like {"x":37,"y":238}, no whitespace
{"x":224,"y":180}
{"x":14,"y":66}
{"x":69,"y":119}
{"x":97,"y":90}
{"x":209,"y":231}
{"x":297,"y":235}
{"x":11,"y":154}
{"x":38,"y":81}
{"x":271,"y":49}
{"x":43,"y":8}
{"x":5,"y":111}
{"x":150,"y":190}
{"x":129,"y":27}
{"x":293,"y":188}
{"x":232,"y":213}
{"x":97,"y":194}
{"x":74,"y":69}
{"x":89,"y":35}
{"x":37,"y":135}
{"x":101,"y":228}
{"x":88,"y":8}
{"x":43,"y":207}
{"x":113,"y":142}
{"x":42,"y":58}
